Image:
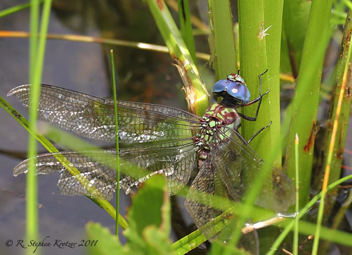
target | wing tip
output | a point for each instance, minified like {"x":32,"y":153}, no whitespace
{"x":21,"y":168}
{"x":16,"y":90}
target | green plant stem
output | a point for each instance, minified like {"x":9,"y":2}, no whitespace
{"x":306,"y":97}
{"x":186,"y":27}
{"x":331,"y":151}
{"x":116,"y":142}
{"x":36,"y":69}
{"x":295,"y":19}
{"x":252,"y":33}
{"x":222,"y":39}
{"x":273,"y":10}
{"x":33,"y":38}
{"x":296,"y":230}
{"x":17,"y":8}
{"x":343,"y":118}
{"x":196,"y":94}
{"x":253,"y":57}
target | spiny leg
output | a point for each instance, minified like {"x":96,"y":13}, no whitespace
{"x":259,"y":131}
{"x":258,"y":99}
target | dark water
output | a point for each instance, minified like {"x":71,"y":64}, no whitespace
{"x":144,"y":76}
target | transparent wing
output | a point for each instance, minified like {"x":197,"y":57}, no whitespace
{"x":173,"y":160}
{"x":230,"y":170}
{"x":201,"y":203}
{"x":93,"y":117}
{"x":238,"y":166}
{"x":91,"y":166}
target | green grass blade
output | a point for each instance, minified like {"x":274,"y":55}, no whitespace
{"x":222,"y":40}
{"x":306,"y":97}
{"x":36,"y":69}
{"x":33,"y":38}
{"x":295,"y":235}
{"x":117,"y":140}
{"x":16,"y":8}
{"x":295,"y":18}
{"x":196,"y":93}
{"x":307,"y":228}
{"x":186,"y":27}
{"x":188,"y":242}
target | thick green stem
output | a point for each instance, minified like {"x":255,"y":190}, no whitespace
{"x":222,"y":39}
{"x":273,"y":10}
{"x":306,"y":98}
{"x":252,"y":34}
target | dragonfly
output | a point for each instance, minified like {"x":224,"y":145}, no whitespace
{"x":164,"y":140}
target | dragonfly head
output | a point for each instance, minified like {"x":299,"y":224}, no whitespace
{"x":232,"y":91}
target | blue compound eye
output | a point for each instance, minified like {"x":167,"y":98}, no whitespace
{"x":233,"y":91}
{"x":239,"y":91}
{"x":220,"y":86}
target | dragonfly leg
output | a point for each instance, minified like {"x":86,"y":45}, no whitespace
{"x":258,"y":99}
{"x":259,"y":131}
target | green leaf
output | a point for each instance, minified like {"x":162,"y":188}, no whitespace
{"x":149,"y":218}
{"x":106,"y":243}
{"x":157,"y":241}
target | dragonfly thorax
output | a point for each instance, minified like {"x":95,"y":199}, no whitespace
{"x":220,"y":115}
{"x":215,"y":120}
